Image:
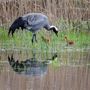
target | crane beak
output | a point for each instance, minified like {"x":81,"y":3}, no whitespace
{"x":56,"y":32}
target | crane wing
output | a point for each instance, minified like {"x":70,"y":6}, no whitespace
{"x":35,"y":20}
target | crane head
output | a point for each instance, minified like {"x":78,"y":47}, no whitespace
{"x":55,"y":30}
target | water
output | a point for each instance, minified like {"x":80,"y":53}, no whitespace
{"x":72,"y":72}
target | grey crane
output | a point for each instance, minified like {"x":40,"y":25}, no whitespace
{"x":32,"y":22}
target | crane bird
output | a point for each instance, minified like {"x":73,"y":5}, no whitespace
{"x":32,"y":22}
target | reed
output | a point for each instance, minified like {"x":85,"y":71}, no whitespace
{"x":68,"y":9}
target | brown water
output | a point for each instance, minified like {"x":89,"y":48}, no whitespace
{"x":72,"y":74}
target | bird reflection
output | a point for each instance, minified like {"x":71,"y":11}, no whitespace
{"x":30,"y":66}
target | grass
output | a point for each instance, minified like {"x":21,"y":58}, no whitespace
{"x":22,"y":39}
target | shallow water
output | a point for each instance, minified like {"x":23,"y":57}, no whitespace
{"x":72,"y":72}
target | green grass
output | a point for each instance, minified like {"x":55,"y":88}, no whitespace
{"x":22,"y":39}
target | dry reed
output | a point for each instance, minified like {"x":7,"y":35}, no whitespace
{"x":68,"y":9}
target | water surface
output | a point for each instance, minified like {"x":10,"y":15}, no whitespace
{"x":72,"y":72}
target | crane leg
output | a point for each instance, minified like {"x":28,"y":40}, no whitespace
{"x":34,"y":38}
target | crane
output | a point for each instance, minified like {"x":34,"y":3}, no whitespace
{"x":32,"y":22}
